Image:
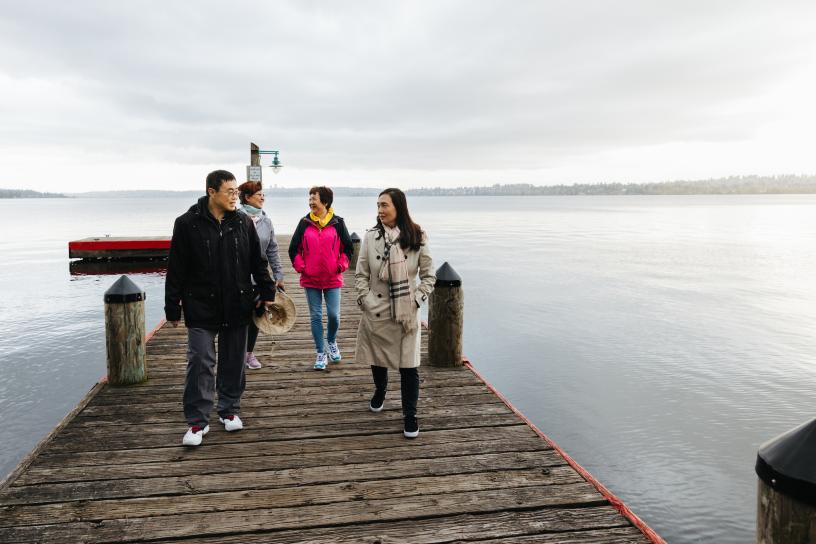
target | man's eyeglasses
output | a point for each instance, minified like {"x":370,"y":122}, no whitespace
{"x":231,"y":192}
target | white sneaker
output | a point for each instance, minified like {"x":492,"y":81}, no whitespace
{"x":231,"y":423}
{"x":194,"y":435}
{"x":334,"y":352}
{"x":320,"y":362}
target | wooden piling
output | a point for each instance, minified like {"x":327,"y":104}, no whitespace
{"x":446,"y":309}
{"x":782,"y":519}
{"x":125,"y":332}
{"x":355,"y":239}
{"x":786,"y":494}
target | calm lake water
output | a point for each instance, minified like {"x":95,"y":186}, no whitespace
{"x":659,"y":340}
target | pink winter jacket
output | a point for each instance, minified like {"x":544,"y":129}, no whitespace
{"x":321,"y":256}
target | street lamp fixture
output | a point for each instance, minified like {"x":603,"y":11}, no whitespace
{"x":276,"y":164}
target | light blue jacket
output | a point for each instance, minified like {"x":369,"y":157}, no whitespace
{"x":269,"y":244}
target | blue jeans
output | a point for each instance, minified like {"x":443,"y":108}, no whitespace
{"x":315,"y":299}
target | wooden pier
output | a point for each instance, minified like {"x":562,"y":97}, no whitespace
{"x":312,"y":465}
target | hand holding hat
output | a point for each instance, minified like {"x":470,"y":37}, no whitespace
{"x":279,"y":317}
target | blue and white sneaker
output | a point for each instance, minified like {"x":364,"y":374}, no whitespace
{"x":334,"y":353}
{"x":320,"y":362}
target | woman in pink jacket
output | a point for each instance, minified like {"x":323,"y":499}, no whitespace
{"x":320,"y":251}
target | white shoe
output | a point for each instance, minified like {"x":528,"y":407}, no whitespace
{"x":320,"y":361}
{"x":231,"y":423}
{"x":334,"y":353}
{"x":194,"y":435}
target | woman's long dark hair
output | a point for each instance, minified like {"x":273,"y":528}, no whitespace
{"x":410,"y":232}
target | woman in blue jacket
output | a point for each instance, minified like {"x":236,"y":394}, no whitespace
{"x":252,"y":201}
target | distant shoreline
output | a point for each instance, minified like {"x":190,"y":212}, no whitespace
{"x":740,"y":185}
{"x":27,"y":193}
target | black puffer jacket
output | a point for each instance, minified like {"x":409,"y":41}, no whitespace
{"x":209,"y":269}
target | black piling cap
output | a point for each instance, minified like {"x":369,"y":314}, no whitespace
{"x":446,"y":276}
{"x":787,"y":465}
{"x":124,"y":290}
{"x":355,"y":239}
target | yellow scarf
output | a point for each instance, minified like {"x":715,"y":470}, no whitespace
{"x":322,"y":222}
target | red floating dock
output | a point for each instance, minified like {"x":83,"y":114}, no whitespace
{"x":119,"y":248}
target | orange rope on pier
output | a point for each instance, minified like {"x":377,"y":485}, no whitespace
{"x":149,"y":335}
{"x":619,"y":505}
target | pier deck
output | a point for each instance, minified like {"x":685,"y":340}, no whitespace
{"x":312,"y":464}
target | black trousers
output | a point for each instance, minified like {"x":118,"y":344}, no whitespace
{"x":252,"y":336}
{"x":202,"y":381}
{"x":409,"y":387}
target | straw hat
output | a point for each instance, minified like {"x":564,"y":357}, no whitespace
{"x":278,"y":317}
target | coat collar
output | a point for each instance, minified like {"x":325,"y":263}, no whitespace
{"x":201,"y":210}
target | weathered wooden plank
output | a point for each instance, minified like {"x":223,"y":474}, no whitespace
{"x":176,"y":417}
{"x":263,"y":419}
{"x":560,"y":526}
{"x":84,"y":428}
{"x":364,"y":510}
{"x":364,"y":422}
{"x":283,"y":390}
{"x":461,"y":395}
{"x":502,"y":435}
{"x":65,"y":443}
{"x":341,"y":373}
{"x":269,"y":460}
{"x":261,"y":388}
{"x":67,"y":512}
{"x":245,"y":478}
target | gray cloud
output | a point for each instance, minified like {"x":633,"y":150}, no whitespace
{"x":412,"y":85}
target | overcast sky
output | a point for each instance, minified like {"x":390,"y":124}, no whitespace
{"x":127,"y":95}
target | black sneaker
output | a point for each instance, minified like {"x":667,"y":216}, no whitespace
{"x":377,"y":401}
{"x":411,"y":427}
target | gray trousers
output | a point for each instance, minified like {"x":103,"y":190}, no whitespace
{"x":201,"y":382}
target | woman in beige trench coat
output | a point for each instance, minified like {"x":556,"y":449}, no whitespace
{"x":393,"y":254}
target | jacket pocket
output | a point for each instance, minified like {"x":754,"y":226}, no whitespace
{"x":247,"y":300}
{"x":376,"y":306}
{"x":309,"y":267}
{"x":200,"y":306}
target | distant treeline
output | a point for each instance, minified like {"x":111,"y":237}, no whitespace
{"x":26,"y":193}
{"x":735,"y":185}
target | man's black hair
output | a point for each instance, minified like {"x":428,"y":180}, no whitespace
{"x":216,"y":178}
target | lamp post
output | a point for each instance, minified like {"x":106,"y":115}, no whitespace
{"x":254,"y":168}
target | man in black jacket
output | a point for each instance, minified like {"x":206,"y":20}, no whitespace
{"x":213,"y":253}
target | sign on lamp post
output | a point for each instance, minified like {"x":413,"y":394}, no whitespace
{"x":254,"y":174}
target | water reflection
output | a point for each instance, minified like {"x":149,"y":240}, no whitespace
{"x":83,"y":267}
{"x":658,"y":340}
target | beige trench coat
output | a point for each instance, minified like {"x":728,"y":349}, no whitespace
{"x":380,"y":340}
